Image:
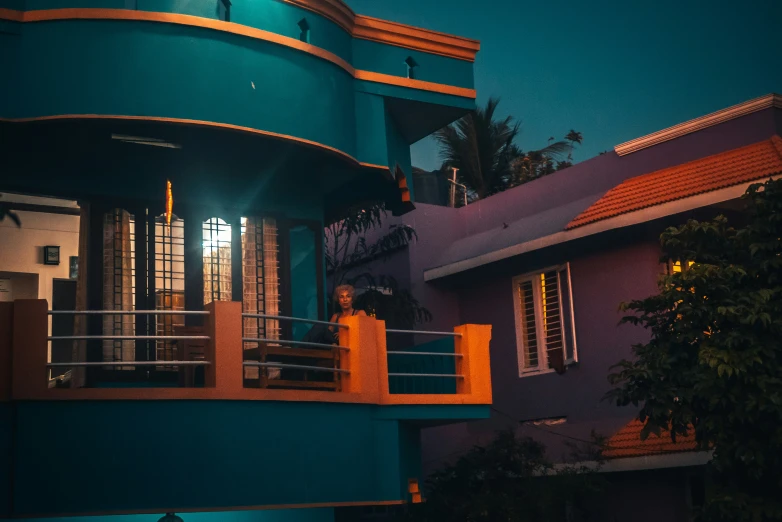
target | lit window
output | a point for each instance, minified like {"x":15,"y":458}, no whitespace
{"x":217,"y":260}
{"x":119,"y":284}
{"x":169,"y":283}
{"x":545,"y":335}
{"x":677,"y":267}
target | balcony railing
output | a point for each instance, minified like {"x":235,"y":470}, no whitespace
{"x":453,"y":369}
{"x":429,"y":368}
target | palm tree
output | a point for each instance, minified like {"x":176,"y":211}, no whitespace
{"x":488,"y":160}
{"x":574,"y":137}
{"x":481,"y":148}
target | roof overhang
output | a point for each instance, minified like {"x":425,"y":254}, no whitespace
{"x":697,"y":124}
{"x":646,"y":462}
{"x":623,"y":220}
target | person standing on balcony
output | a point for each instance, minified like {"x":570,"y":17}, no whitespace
{"x":343,"y":296}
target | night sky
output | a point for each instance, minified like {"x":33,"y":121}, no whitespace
{"x":611,"y":70}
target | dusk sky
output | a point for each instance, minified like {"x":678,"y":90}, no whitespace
{"x":611,"y":70}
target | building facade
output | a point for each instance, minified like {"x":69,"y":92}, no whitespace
{"x":548,"y":263}
{"x":173,"y":165}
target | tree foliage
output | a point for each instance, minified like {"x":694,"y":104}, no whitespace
{"x":509,"y":479}
{"x":355,"y":241}
{"x":714,"y":360}
{"x":483,"y":148}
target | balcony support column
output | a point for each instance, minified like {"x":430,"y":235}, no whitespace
{"x":30,"y":331}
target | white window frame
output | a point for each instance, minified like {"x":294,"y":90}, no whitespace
{"x":534,"y":277}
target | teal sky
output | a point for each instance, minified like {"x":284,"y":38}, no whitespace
{"x":611,"y":70}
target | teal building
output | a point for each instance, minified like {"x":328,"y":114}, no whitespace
{"x":196,"y":149}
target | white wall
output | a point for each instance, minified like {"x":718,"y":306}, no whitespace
{"x":21,"y":249}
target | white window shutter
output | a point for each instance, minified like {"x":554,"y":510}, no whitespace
{"x":551,"y":320}
{"x":527,"y":325}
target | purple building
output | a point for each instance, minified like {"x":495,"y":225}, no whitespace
{"x":547,"y":265}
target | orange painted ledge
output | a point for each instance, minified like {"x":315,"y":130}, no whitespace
{"x":184,"y":394}
{"x":245,"y":394}
{"x":392,"y":33}
{"x":185,"y":121}
{"x":232,"y":28}
{"x":200,"y":123}
{"x":268,"y":507}
{"x":434,"y":399}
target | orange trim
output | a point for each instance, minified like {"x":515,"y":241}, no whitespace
{"x":421,"y":85}
{"x":335,"y":10}
{"x":373,"y":166}
{"x":193,"y":394}
{"x":392,"y":33}
{"x":12,"y":15}
{"x":186,"y":121}
{"x":268,"y":507}
{"x":232,"y":28}
{"x":409,"y":37}
{"x":45,"y":15}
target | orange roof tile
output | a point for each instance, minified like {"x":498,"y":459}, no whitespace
{"x":627,"y":443}
{"x":750,"y":163}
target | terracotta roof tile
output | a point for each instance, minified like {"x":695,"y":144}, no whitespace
{"x":734,"y":167}
{"x":627,"y":443}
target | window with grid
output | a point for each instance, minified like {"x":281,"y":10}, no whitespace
{"x":119,"y":288}
{"x":217,"y":260}
{"x":260,"y":281}
{"x":169,"y":282}
{"x":545,"y":335}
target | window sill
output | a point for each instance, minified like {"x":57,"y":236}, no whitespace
{"x":531,"y":373}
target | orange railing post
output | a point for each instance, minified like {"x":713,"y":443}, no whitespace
{"x":361,"y":358}
{"x":474,"y":363}
{"x":29,"y":353}
{"x":224,"y":349}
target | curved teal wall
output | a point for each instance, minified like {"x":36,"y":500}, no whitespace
{"x":387,"y":59}
{"x":153,"y":69}
{"x":163,"y":70}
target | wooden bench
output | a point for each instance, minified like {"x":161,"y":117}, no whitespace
{"x":294,"y":378}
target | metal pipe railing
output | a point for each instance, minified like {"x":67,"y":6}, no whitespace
{"x":128,"y":338}
{"x":129,"y":363}
{"x":299,"y":319}
{"x":455,"y":376}
{"x":126,"y":312}
{"x":293,"y":366}
{"x":426,"y":353}
{"x":421,"y":332}
{"x":281,"y":342}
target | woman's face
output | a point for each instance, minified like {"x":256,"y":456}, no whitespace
{"x":345,"y":300}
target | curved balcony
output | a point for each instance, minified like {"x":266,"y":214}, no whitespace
{"x":359,"y":365}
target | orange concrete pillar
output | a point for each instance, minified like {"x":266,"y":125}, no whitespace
{"x":6,"y":343}
{"x":361,"y":358}
{"x":474,"y":363}
{"x":224,"y":328}
{"x":29,"y":353}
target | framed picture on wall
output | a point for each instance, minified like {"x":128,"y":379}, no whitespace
{"x":51,"y":255}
